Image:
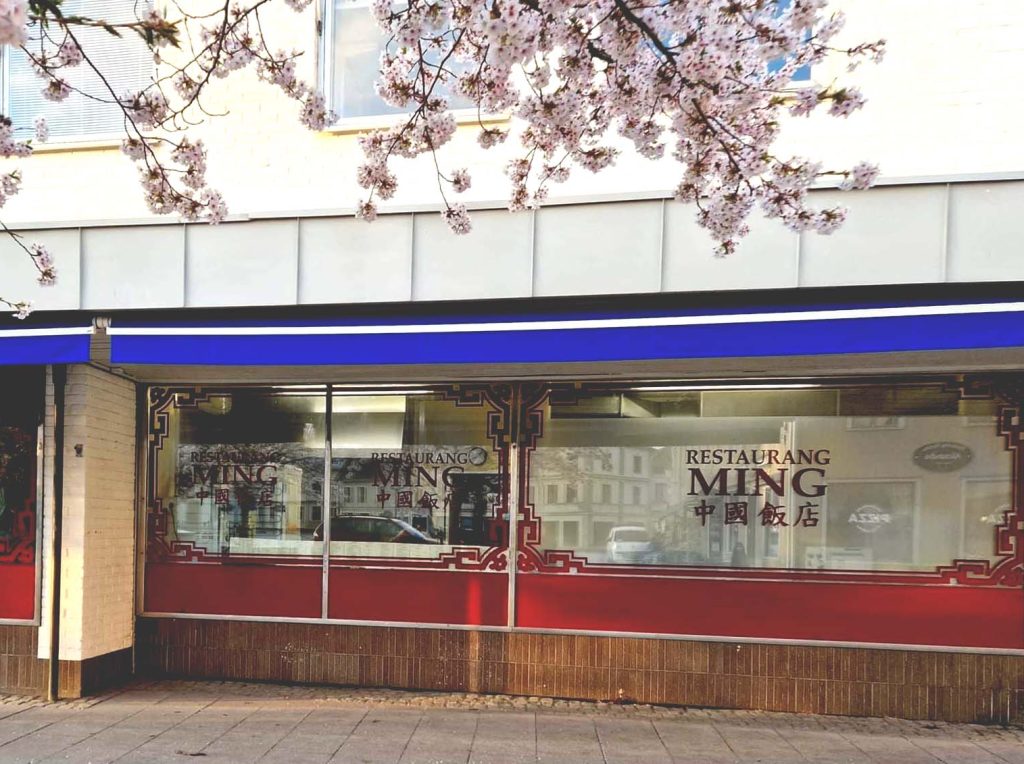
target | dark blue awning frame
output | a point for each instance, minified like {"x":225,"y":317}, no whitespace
{"x":41,"y":345}
{"x":579,"y":338}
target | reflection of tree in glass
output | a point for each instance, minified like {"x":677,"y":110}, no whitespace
{"x":204,"y":466}
{"x":351,"y":468}
{"x":478,"y":489}
{"x":15,"y":473}
{"x":570,"y":462}
{"x":15,"y":446}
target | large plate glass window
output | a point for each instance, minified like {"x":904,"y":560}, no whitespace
{"x":419,"y":506}
{"x":875,"y":478}
{"x":237,"y":485}
{"x":413,"y":475}
{"x":20,"y":416}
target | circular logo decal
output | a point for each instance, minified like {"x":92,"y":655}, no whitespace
{"x":870,"y":518}
{"x":477,"y":456}
{"x":943,"y":457}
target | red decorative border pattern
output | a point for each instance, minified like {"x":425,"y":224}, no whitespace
{"x":1007,"y":571}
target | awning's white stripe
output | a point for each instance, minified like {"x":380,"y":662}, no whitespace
{"x":58,"y":331}
{"x":589,"y":323}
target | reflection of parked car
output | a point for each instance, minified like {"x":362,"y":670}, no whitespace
{"x":372,"y":528}
{"x":630,"y":543}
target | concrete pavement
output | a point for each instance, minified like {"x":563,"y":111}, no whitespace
{"x":177,"y":721}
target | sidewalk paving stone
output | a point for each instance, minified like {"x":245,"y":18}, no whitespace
{"x":171,"y":722}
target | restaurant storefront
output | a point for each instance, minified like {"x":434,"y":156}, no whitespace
{"x":869,"y":511}
{"x":830,"y":543}
{"x":563,"y":505}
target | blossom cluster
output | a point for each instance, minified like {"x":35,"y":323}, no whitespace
{"x":10,"y":184}
{"x":172,"y":166}
{"x":707,"y":81}
{"x":178,"y":186}
{"x":13,"y":22}
{"x":43,"y":260}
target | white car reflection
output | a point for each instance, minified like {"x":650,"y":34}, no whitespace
{"x":630,"y":544}
{"x":373,"y":528}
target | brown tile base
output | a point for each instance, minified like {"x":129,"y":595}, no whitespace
{"x":93,"y":675}
{"x":959,"y":687}
{"x":21,"y":672}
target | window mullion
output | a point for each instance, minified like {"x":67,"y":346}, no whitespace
{"x":325,"y":512}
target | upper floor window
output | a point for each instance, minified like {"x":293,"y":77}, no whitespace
{"x":126,"y":63}
{"x":353,"y":44}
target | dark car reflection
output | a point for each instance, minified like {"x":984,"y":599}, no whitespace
{"x":373,"y":528}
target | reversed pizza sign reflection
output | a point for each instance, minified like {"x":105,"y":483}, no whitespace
{"x":870,"y":518}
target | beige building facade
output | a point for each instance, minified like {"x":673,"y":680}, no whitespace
{"x":569,"y":454}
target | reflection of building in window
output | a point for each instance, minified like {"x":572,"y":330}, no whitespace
{"x":245,"y":474}
{"x":985,"y":504}
{"x":875,"y":423}
{"x":870,"y":523}
{"x":570,"y":533}
{"x":986,"y":420}
{"x":842,"y":499}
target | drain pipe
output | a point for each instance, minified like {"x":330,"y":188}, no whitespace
{"x":60,"y":378}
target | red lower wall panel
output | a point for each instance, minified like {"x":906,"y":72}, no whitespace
{"x":915,"y":615}
{"x":419,"y":596}
{"x":18,"y":592}
{"x":288,"y":591}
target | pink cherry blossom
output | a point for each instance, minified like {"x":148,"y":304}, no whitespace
{"x":44,"y":264}
{"x":461,"y":181}
{"x":42,"y":130}
{"x":457,"y":218}
{"x":709,"y":79}
{"x":705,"y":84}
{"x":13,"y":22}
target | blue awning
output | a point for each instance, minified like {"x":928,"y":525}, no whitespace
{"x":576,"y":338}
{"x":22,"y":345}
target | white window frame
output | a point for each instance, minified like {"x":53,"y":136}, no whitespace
{"x":325,"y":75}
{"x":57,"y":142}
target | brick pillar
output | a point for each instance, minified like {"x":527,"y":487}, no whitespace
{"x":97,"y":607}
